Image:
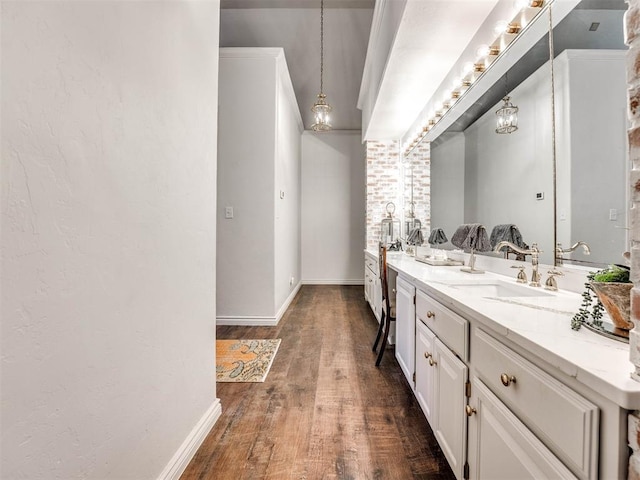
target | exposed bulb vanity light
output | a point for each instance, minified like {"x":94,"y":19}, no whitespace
{"x":321,"y":108}
{"x":503,"y":27}
{"x":467,"y":68}
{"x":520,"y":4}
{"x":484,"y":51}
{"x":507,"y":117}
{"x":505,"y":32}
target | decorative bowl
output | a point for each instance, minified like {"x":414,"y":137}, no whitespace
{"x":616,"y":299}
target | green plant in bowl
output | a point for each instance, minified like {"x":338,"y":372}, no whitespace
{"x":609,"y":290}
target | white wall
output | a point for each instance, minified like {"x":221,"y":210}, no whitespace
{"x":287,"y":196}
{"x":333,"y":207}
{"x":246,"y":146}
{"x":447,"y":185}
{"x":258,"y":157}
{"x":108,"y":234}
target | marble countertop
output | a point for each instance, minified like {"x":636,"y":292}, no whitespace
{"x":539,"y":324}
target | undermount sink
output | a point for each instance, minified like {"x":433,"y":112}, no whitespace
{"x":499,"y":289}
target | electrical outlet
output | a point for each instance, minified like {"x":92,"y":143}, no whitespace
{"x":613,"y":214}
{"x":291,"y":280}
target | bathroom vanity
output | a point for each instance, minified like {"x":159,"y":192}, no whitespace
{"x":509,"y":389}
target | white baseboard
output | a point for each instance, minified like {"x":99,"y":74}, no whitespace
{"x":189,"y":447}
{"x":246,"y":320}
{"x":342,"y":281}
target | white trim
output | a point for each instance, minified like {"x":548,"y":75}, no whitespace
{"x":376,"y":22}
{"x":189,"y":447}
{"x":341,"y":281}
{"x":287,"y":302}
{"x":248,"y":320}
{"x":351,"y":131}
{"x":285,"y":78}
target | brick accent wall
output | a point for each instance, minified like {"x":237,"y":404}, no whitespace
{"x":383,"y":185}
{"x":632,"y":37}
{"x":387,"y":180}
{"x":420,"y":158}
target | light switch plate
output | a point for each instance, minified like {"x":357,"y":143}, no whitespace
{"x":228,"y":212}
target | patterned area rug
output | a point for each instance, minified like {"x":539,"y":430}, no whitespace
{"x":244,"y":360}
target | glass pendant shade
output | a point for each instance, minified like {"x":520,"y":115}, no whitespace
{"x":507,"y":117}
{"x":321,"y":110}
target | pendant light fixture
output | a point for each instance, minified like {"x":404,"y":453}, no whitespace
{"x":321,"y":108}
{"x":507,"y":117}
{"x":507,"y":114}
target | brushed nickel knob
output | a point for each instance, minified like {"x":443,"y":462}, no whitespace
{"x":507,"y":379}
{"x":470,"y":410}
{"x":432,"y":362}
{"x":427,"y":355}
{"x":430,"y":314}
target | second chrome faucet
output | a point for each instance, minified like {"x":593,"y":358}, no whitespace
{"x":534,"y":251}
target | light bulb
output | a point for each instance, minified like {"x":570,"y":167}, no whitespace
{"x":522,"y":4}
{"x":482,"y":51}
{"x":467,"y":68}
{"x":486,"y":51}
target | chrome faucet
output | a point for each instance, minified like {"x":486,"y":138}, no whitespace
{"x":560,"y":250}
{"x":534,"y":251}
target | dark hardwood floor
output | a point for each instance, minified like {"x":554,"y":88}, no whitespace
{"x":325,"y":411}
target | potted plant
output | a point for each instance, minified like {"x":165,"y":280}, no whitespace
{"x":612,"y":290}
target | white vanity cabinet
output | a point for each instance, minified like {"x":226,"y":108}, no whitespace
{"x":502,"y":447}
{"x":425,"y":373}
{"x":372,"y":287}
{"x":503,"y":400}
{"x":441,"y":377}
{"x":548,"y":421}
{"x":405,"y":327}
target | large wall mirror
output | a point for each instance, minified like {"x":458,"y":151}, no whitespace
{"x":480,"y":176}
{"x":591,"y":125}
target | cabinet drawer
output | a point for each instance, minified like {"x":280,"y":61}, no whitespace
{"x":565,"y":421}
{"x":451,"y":328}
{"x":372,"y":264}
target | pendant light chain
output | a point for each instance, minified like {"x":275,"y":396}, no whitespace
{"x":321,"y":43}
{"x":321,"y":108}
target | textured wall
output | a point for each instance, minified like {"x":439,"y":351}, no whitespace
{"x":109,"y":116}
{"x":420,"y":159}
{"x":383,"y":185}
{"x":632,"y":37}
{"x":388,"y":181}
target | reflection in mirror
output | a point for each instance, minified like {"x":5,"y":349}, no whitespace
{"x":591,"y":125}
{"x":481,"y":176}
{"x":416,"y":197}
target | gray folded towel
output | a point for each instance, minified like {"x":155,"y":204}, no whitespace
{"x":437,"y":237}
{"x":471,"y":236}
{"x":460,"y":235}
{"x":508,"y":232}
{"x":415,"y":237}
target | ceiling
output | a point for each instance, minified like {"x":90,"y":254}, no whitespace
{"x":430,"y":38}
{"x":294,"y":25}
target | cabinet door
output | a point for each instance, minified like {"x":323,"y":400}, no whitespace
{"x":451,"y":419}
{"x":502,"y":447}
{"x":425,"y":372}
{"x":405,"y":328}
{"x":368,"y":283}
